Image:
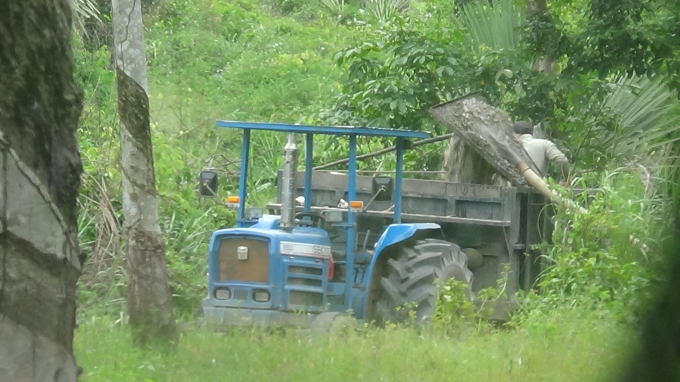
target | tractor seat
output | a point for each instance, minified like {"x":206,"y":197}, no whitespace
{"x":363,"y":258}
{"x":338,"y":255}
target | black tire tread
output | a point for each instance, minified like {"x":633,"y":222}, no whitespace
{"x":410,"y":277}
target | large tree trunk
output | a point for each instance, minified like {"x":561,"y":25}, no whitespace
{"x":149,"y":295}
{"x":39,"y":179}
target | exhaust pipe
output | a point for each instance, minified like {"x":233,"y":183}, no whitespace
{"x":290,"y":162}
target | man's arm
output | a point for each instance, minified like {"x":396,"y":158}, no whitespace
{"x":555,"y":155}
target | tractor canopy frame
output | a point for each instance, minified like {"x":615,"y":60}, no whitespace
{"x":309,"y":131}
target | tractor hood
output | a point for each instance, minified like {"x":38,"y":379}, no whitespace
{"x":300,"y":241}
{"x":263,"y":267}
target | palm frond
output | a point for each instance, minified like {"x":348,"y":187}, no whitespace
{"x":334,"y":7}
{"x":384,"y":9}
{"x":642,"y":107}
{"x":82,"y":10}
{"x":496,"y":25}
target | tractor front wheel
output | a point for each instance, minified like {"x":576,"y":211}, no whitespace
{"x":408,"y":282}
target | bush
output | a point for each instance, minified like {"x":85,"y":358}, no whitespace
{"x":609,"y":257}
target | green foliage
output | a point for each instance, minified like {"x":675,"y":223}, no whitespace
{"x":334,"y":7}
{"x":455,"y":309}
{"x":611,"y":33}
{"x":541,"y":36}
{"x":494,"y":25}
{"x":207,"y":60}
{"x":453,"y":305}
{"x":628,"y":36}
{"x":392,"y":81}
{"x":613,"y":122}
{"x":412,"y":64}
{"x":383,"y":10}
{"x":607,"y":258}
{"x":383,"y":66}
{"x":564,"y":346}
{"x":81,"y":10}
{"x":423,"y":58}
{"x":645,"y":125}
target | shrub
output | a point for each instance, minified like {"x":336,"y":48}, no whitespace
{"x":608,"y":257}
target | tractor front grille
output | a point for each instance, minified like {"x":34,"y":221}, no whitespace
{"x":303,"y":281}
{"x":305,"y":270}
{"x":240,"y":293}
{"x":298,"y":297}
{"x":253,"y":268}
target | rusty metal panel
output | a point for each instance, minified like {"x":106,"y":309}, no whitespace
{"x":473,"y":190}
{"x":253,"y":269}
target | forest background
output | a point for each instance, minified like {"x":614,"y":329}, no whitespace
{"x":601,"y":78}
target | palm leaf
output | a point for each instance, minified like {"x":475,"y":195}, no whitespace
{"x":334,"y":7}
{"x":496,"y":26}
{"x":645,"y":128}
{"x":82,"y":10}
{"x":384,"y":9}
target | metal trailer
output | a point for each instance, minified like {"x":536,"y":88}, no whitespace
{"x":385,"y":248}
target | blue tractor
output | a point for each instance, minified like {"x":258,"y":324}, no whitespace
{"x":339,"y":242}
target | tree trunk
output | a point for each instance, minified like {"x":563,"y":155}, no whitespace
{"x":149,"y":295}
{"x":539,"y":8}
{"x":39,"y":179}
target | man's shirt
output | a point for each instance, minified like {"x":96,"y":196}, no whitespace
{"x":542,"y":151}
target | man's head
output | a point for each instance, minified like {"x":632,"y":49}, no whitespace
{"x":523,"y":127}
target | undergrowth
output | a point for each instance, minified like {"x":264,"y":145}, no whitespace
{"x":610,"y":256}
{"x":566,"y":346}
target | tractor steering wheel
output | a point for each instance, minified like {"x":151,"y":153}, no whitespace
{"x":316,"y":217}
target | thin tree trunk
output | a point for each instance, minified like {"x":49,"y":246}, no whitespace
{"x":540,"y":7}
{"x":149,"y":295}
{"x":39,"y":179}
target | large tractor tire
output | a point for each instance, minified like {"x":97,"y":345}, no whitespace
{"x":408,"y":282}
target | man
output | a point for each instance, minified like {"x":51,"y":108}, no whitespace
{"x":541,"y":151}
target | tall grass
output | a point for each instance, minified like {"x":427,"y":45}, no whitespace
{"x":566,"y":346}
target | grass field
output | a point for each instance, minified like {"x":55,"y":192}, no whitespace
{"x":560,"y":347}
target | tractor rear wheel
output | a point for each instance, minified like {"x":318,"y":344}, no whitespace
{"x":409,"y":276}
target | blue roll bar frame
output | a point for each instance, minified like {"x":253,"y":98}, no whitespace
{"x":309,"y":131}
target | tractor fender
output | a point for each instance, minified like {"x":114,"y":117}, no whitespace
{"x":397,"y":233}
{"x":393,"y":235}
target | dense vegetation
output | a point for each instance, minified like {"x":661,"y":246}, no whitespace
{"x":613,"y":110}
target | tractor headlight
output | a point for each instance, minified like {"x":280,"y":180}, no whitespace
{"x":261,"y":296}
{"x":222,"y":294}
{"x":254,"y":213}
